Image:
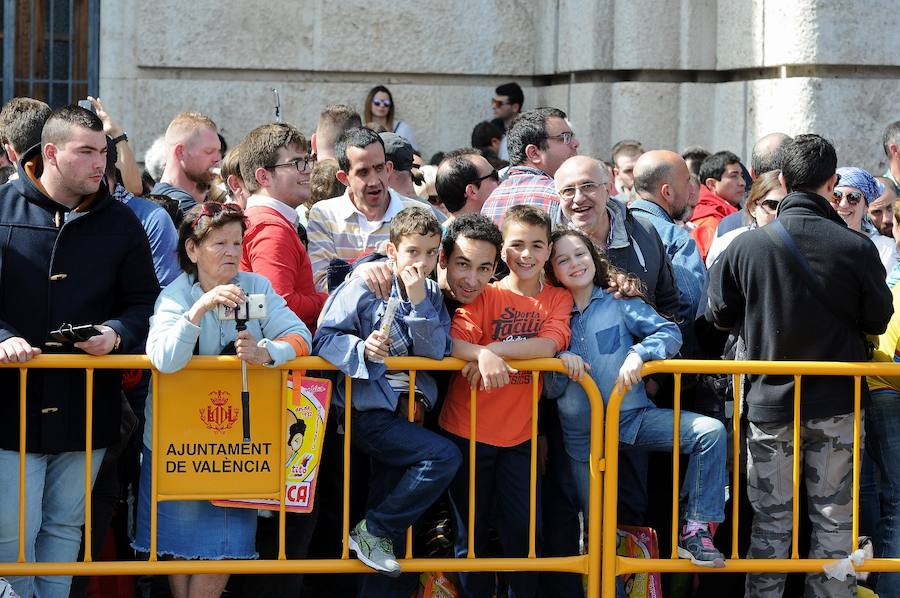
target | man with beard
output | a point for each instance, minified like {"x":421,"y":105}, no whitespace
{"x":662,"y":183}
{"x":193,"y":146}
{"x":358,"y":222}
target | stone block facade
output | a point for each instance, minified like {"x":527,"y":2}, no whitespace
{"x":672,"y":73}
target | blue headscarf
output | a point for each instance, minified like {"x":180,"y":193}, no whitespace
{"x":862,"y":180}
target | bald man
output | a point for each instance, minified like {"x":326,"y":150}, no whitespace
{"x":662,"y":183}
{"x":631,"y":244}
{"x":192,"y":150}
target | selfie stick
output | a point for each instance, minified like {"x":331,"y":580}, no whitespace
{"x":277,"y":105}
{"x":241,"y":325}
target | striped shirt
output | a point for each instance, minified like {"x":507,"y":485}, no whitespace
{"x":334,"y":231}
{"x":523,"y":186}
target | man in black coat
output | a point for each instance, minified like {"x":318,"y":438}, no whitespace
{"x":804,"y":287}
{"x":69,"y":254}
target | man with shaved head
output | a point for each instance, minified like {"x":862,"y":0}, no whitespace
{"x":662,"y":183}
{"x":193,"y":149}
{"x":762,"y":160}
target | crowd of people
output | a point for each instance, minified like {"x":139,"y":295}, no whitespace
{"x":515,"y":248}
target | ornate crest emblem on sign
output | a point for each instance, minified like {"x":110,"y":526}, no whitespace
{"x":219,"y":416}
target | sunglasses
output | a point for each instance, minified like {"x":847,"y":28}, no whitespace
{"x":852,"y":197}
{"x":307,"y":161}
{"x":566,"y":137}
{"x":211,"y":208}
{"x":493,"y":175}
{"x":770,"y":205}
{"x":498,"y":103}
{"x":385,"y":103}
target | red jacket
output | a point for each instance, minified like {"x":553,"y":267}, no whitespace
{"x":709,"y":211}
{"x":273,"y":248}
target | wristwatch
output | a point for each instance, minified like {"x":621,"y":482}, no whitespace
{"x":118,"y":343}
{"x":122,"y":137}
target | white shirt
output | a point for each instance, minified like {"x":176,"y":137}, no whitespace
{"x":276,"y":204}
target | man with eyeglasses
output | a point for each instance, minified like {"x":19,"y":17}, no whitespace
{"x":464,"y":181}
{"x":539,"y":142}
{"x":507,"y":104}
{"x":276,"y":169}
{"x":802,"y":288}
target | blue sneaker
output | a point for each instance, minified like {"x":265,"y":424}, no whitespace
{"x":697,"y":545}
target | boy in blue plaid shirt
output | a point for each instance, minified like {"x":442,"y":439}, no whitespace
{"x":411,"y":466}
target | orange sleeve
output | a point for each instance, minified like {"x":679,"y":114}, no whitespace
{"x":556,"y":323}
{"x":297,"y":342}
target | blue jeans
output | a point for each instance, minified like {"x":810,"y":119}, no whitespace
{"x":502,"y":477}
{"x":883,"y":445}
{"x":703,"y":438}
{"x":411,"y":468}
{"x":54,"y":503}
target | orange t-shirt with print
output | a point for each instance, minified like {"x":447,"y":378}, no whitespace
{"x":503,"y":416}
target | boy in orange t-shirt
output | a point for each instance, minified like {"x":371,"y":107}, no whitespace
{"x":516,"y":318}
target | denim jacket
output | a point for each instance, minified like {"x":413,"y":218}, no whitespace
{"x":603,"y":334}
{"x":351,"y":313}
{"x":689,"y":269}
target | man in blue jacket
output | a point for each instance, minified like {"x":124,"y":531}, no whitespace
{"x":70,"y":254}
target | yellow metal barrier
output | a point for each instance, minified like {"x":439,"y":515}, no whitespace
{"x":587,"y":564}
{"x":614,"y":565}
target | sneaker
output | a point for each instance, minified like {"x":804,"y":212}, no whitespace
{"x":375,"y":552}
{"x":697,"y":545}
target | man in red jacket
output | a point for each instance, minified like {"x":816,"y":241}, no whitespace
{"x":276,"y":168}
{"x":721,"y":191}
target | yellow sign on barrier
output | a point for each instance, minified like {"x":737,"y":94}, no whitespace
{"x":201,"y":441}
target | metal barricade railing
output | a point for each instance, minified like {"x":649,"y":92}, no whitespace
{"x":614,"y":565}
{"x":587,"y":564}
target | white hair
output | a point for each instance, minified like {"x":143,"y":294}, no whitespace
{"x":155,"y":157}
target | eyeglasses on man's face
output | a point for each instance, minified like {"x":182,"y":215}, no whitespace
{"x":566,"y":137}
{"x":589,"y":188}
{"x":493,"y":175}
{"x":302,"y":163}
{"x":497,"y":103}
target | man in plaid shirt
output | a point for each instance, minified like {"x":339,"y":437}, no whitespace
{"x":538,"y":141}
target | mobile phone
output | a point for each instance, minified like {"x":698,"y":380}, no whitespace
{"x":86,"y":104}
{"x":67,"y":333}
{"x":252,"y":309}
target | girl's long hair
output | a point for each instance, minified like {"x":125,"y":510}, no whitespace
{"x":603,"y":270}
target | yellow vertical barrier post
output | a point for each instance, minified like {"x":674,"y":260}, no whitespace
{"x":282,"y":475}
{"x":595,"y":493}
{"x":345,"y":551}
{"x":795,"y":477}
{"x":735,"y":465}
{"x":532,"y":482}
{"x":23,"y":412}
{"x":857,"y":400}
{"x":154,"y":477}
{"x":610,"y":494}
{"x":88,"y":459}
{"x":676,"y":464}
{"x":411,"y":416}
{"x":473,"y":399}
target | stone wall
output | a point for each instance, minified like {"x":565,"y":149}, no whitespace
{"x":671,"y":73}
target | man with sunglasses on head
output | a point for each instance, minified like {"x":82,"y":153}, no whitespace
{"x":464,"y":181}
{"x":539,"y":142}
{"x":276,"y":168}
{"x":802,"y":288}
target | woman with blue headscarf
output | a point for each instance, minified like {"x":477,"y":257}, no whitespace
{"x":855,"y":190}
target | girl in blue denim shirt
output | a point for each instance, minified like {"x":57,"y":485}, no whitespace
{"x":611,"y":340}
